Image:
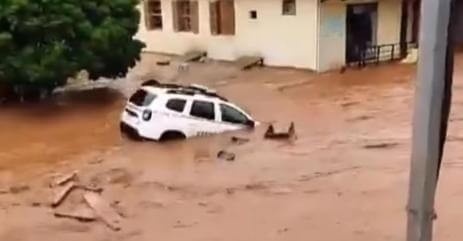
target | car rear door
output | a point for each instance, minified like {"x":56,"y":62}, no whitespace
{"x":175,"y":115}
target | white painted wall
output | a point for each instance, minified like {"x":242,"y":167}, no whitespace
{"x":332,"y":42}
{"x":389,"y":19}
{"x":281,"y":40}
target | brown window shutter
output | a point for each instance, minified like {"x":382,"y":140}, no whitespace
{"x":146,"y":15}
{"x":227,"y":14}
{"x":289,"y":7}
{"x":194,"y":16}
{"x":214,"y":17}
{"x":175,"y":16}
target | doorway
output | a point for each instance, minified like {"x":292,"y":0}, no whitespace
{"x":361,"y":29}
{"x":416,"y":6}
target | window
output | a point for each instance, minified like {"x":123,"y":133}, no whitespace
{"x":289,"y":7}
{"x":253,"y":14}
{"x":153,"y":14}
{"x":222,"y":17}
{"x":203,"y":109}
{"x":185,"y":14}
{"x":231,"y":115}
{"x":142,"y":98}
{"x":177,"y":105}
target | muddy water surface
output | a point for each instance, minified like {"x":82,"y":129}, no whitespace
{"x":333,"y":177}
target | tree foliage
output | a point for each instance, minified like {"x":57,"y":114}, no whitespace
{"x":44,"y":42}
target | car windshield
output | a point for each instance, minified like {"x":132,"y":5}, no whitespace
{"x":142,"y":98}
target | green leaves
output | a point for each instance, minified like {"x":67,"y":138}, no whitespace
{"x":44,"y":42}
{"x":5,"y":39}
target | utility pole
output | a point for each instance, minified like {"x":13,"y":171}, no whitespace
{"x":427,"y":124}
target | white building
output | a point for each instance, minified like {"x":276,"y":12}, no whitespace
{"x":313,"y":34}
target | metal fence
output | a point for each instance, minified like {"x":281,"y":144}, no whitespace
{"x":376,"y":54}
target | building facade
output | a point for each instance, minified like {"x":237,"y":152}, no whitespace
{"x":319,"y":35}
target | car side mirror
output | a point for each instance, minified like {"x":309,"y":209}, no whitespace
{"x":251,"y":123}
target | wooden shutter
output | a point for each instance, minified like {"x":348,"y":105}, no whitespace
{"x":194,"y":16}
{"x":289,"y":7}
{"x":175,"y":16}
{"x":146,"y":14}
{"x":227,"y":15}
{"x":214,"y":17}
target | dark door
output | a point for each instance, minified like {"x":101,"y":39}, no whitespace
{"x":403,"y":29}
{"x":416,"y":21}
{"x":361,"y":26}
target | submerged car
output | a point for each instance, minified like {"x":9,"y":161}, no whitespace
{"x":168,"y":111}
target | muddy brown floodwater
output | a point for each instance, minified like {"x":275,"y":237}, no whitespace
{"x":344,"y":178}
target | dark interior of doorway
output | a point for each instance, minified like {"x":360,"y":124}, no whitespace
{"x":409,"y":32}
{"x":416,"y":20}
{"x":361,"y":26}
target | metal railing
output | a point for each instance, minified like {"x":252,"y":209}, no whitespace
{"x":376,"y":54}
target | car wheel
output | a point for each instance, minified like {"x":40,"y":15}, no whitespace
{"x":172,"y":135}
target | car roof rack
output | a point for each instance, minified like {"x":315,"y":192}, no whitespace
{"x":185,"y":90}
{"x":180,"y":92}
{"x":193,"y":91}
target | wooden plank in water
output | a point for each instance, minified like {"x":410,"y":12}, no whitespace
{"x":247,"y":62}
{"x":193,"y":56}
{"x":62,"y":194}
{"x":103,"y":210}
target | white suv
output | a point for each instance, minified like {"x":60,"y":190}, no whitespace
{"x":166,"y":111}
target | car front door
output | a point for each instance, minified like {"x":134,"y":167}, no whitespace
{"x":233,"y":119}
{"x":203,"y":116}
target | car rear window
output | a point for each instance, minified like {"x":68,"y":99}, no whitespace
{"x":203,"y":109}
{"x":142,"y":98}
{"x":177,"y":105}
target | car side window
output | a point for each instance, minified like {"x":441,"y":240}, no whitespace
{"x":232,"y":115}
{"x":203,"y":109}
{"x":177,"y":105}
